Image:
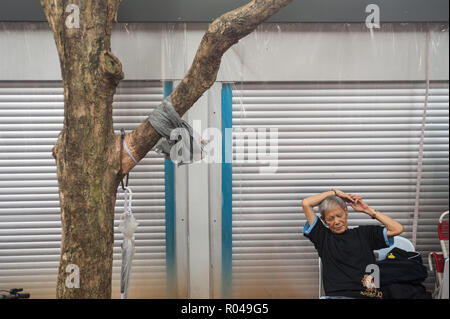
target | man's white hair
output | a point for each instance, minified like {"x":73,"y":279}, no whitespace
{"x":329,"y":203}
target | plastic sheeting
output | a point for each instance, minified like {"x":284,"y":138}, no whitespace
{"x":347,"y":102}
{"x":315,"y":52}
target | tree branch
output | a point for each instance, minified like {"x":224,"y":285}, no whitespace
{"x":222,"y":33}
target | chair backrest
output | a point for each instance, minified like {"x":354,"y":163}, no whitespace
{"x":443,"y":233}
{"x":399,"y":242}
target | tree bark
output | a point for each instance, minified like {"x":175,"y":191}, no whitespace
{"x":87,"y":151}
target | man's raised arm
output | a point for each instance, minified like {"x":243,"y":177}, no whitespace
{"x":393,"y":227}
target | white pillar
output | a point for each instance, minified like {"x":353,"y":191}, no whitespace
{"x":198,"y":214}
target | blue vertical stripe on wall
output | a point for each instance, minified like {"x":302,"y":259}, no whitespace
{"x":169,"y":187}
{"x":226,"y":189}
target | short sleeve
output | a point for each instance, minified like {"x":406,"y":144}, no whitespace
{"x":315,"y":232}
{"x":389,"y":241}
{"x":376,"y":236}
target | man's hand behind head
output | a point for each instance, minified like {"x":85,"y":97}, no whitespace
{"x":359,"y":205}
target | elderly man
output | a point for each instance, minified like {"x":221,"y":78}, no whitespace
{"x":345,"y":252}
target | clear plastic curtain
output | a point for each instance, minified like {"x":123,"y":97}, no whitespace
{"x":345,"y":103}
{"x":362,"y":110}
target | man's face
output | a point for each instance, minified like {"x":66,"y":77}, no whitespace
{"x":336,"y":219}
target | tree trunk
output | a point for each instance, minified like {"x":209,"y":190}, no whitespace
{"x":87,"y":165}
{"x":87,"y":151}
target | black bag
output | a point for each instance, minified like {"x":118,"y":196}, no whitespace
{"x":402,"y":274}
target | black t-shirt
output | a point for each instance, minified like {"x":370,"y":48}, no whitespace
{"x":345,"y":256}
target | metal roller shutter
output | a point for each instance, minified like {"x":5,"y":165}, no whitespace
{"x":360,"y":138}
{"x":31,"y":116}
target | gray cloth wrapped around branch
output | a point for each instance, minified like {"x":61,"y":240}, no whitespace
{"x":179,"y":142}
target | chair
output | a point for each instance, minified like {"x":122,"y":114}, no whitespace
{"x":380,"y":254}
{"x":440,"y":259}
{"x":399,"y":242}
{"x":443,"y":234}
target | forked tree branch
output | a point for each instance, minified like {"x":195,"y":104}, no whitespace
{"x":222,"y":33}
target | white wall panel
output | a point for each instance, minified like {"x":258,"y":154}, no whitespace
{"x":273,"y":52}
